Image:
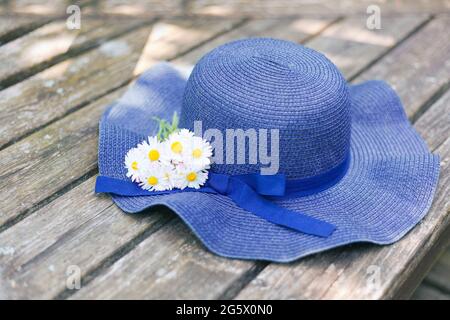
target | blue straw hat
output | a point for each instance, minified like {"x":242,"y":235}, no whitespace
{"x":355,"y":169}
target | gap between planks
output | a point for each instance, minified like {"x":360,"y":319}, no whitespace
{"x":20,"y":25}
{"x":17,"y":74}
{"x":21,"y":29}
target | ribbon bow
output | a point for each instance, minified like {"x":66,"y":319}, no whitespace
{"x":247,"y":191}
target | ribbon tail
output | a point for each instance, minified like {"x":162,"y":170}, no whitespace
{"x":246,"y":198}
{"x":120,"y":187}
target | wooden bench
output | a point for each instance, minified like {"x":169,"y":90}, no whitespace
{"x":55,"y":83}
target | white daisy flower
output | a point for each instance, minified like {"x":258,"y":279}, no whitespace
{"x":176,"y":145}
{"x":152,"y":149}
{"x":186,"y":134}
{"x":189,"y":178}
{"x":135,"y":163}
{"x":169,"y":173}
{"x":198,"y":153}
{"x":180,"y":162}
{"x":155,"y":178}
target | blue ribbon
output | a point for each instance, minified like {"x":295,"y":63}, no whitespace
{"x":249,"y":192}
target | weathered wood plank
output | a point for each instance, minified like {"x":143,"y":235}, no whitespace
{"x":37,"y":7}
{"x":268,"y":8}
{"x":234,"y":8}
{"x":348,"y":43}
{"x":35,"y":264}
{"x":433,"y":126}
{"x":52,"y":93}
{"x":43,"y":157}
{"x":66,"y":86}
{"x":173,"y":38}
{"x":49,"y":159}
{"x":439,"y":275}
{"x":351,"y":44}
{"x":11,"y":28}
{"x":51,"y":44}
{"x":297,"y":30}
{"x":423,"y":61}
{"x":179,"y":268}
{"x":428,"y":292}
{"x":147,"y":8}
{"x":20,"y":17}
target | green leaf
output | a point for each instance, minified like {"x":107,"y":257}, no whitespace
{"x":166,"y":128}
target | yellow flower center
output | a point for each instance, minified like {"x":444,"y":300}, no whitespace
{"x":153,"y":155}
{"x":152,"y":180}
{"x":134,"y":165}
{"x":177,"y":147}
{"x":191,"y":176}
{"x":197,"y":153}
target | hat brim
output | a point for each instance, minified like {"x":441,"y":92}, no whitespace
{"x":387,"y":189}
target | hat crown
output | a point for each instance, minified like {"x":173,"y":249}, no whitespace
{"x":269,"y":84}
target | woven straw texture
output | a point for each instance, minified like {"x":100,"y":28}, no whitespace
{"x":266,"y":83}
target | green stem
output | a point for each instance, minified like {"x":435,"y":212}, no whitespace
{"x":166,"y":128}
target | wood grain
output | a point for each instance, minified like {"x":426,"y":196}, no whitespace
{"x":173,"y":38}
{"x":268,"y":8}
{"x":170,"y":264}
{"x":49,"y":159}
{"x":297,"y":30}
{"x":350,"y":44}
{"x":439,"y":276}
{"x":52,"y":43}
{"x":423,"y":62}
{"x":13,"y":27}
{"x":427,"y":292}
{"x":434,"y":125}
{"x":52,"y":93}
{"x":38,"y":8}
{"x":147,"y":8}
{"x":75,"y":82}
{"x":231,"y":8}
{"x":35,"y":264}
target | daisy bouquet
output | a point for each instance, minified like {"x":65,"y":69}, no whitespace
{"x":173,"y":159}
